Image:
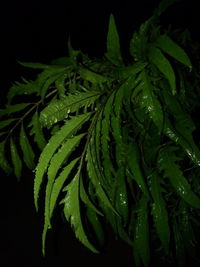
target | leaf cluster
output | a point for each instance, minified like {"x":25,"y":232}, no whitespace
{"x":114,"y":142}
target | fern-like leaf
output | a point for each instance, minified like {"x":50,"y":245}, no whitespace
{"x":27,"y":87}
{"x":59,"y":110}
{"x":94,"y":177}
{"x":72,"y":211}
{"x":167,"y":163}
{"x":36,"y":131}
{"x":56,"y":163}
{"x":92,"y":76}
{"x":54,"y":143}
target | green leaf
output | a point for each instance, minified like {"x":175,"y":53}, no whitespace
{"x":36,"y":131}
{"x":28,"y":154}
{"x":56,"y":163}
{"x":58,"y":184}
{"x":60,"y":85}
{"x":5,"y":123}
{"x":141,"y":241}
{"x":131,"y":70}
{"x":162,"y":63}
{"x":16,"y":160}
{"x":159,"y":212}
{"x":133,"y":158}
{"x":168,"y":46}
{"x":4,"y":165}
{"x":96,"y":225}
{"x":85,"y":198}
{"x":16,"y":108}
{"x":188,"y":146}
{"x":28,"y":87}
{"x":34,"y":65}
{"x":139,"y":41}
{"x":72,"y":211}
{"x":150,"y":102}
{"x":113,"y":44}
{"x":167,"y":163}
{"x":59,"y":110}
{"x":121,"y":196}
{"x":70,"y":128}
{"x":179,"y":245}
{"x":94,"y":177}
{"x":92,"y":76}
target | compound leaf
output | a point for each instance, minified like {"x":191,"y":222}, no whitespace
{"x":36,"y":130}
{"x":59,"y":110}
{"x":72,"y":211}
{"x":167,"y":163}
{"x":70,"y":128}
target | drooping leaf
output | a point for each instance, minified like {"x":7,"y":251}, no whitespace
{"x":55,"y":164}
{"x":162,"y":63}
{"x":133,"y":158}
{"x":150,"y":102}
{"x":28,"y":154}
{"x":16,"y":160}
{"x":58,"y":110}
{"x":58,"y":184}
{"x":168,"y":46}
{"x":189,"y":147}
{"x":54,"y":143}
{"x":113,"y":44}
{"x":94,"y":177}
{"x":159,"y":212}
{"x":96,"y":225}
{"x":72,"y":211}
{"x":179,"y":245}
{"x":4,"y":164}
{"x":121,"y":196}
{"x":16,"y":107}
{"x":107,"y":165}
{"x":36,"y":131}
{"x":141,"y":241}
{"x":168,"y":163}
{"x":85,"y":198}
{"x":6,"y":123}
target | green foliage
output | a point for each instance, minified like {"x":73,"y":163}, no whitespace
{"x":116,"y":142}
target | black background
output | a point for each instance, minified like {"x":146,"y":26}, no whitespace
{"x":38,"y":31}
